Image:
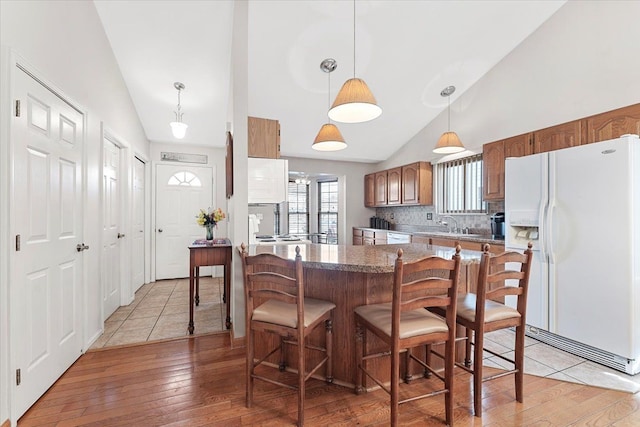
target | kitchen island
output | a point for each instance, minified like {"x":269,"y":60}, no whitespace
{"x":351,"y":276}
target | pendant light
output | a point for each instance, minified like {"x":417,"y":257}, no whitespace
{"x":178,"y":128}
{"x":355,"y":103}
{"x":449,"y":142}
{"x":329,"y":138}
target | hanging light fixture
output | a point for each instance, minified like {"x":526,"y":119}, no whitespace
{"x":355,"y":103}
{"x":178,"y":128}
{"x":449,"y":142}
{"x":329,"y":138}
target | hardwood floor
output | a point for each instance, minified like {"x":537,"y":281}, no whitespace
{"x":200,"y":382}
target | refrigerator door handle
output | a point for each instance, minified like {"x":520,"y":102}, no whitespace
{"x":549,"y":227}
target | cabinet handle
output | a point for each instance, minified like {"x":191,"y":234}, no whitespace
{"x":120,"y":236}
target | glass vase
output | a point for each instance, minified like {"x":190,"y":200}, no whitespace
{"x":210,"y":233}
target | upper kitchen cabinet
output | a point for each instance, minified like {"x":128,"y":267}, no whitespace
{"x":557,"y":137}
{"x":381,"y":188}
{"x":370,"y":190}
{"x":613,"y":124}
{"x":267,"y":180}
{"x":410,"y":184}
{"x":493,"y":155}
{"x":264,"y":138}
{"x":417,"y":184}
{"x":394,"y":186}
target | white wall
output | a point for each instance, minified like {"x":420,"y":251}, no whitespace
{"x":584,"y":60}
{"x":65,"y":43}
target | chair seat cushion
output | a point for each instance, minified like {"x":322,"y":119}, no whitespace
{"x":412,"y":323}
{"x":492,"y":310}
{"x":285,"y":314}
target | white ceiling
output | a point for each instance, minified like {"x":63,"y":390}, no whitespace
{"x":406,"y":51}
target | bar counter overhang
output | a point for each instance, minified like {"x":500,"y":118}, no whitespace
{"x":351,"y":276}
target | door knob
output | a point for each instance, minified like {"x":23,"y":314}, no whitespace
{"x":120,"y":236}
{"x":81,"y":247}
{"x":159,"y":230}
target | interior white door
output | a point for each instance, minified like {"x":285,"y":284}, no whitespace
{"x":181,"y":191}
{"x":137,"y":268}
{"x":111,"y":228}
{"x":46,"y":289}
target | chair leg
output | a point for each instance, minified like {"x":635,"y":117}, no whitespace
{"x":449,"y":365}
{"x":395,"y":384}
{"x":519,"y":362}
{"x":249,"y":369}
{"x":427,"y":360}
{"x":329,"y":346}
{"x":359,"y":353}
{"x":467,"y":348}
{"x":301,"y":374}
{"x":478,"y":344}
{"x":407,"y":371}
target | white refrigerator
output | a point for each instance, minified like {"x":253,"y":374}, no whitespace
{"x":580,"y":207}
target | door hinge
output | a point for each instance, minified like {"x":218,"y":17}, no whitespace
{"x":17,"y":108}
{"x":17,"y":243}
{"x":18,"y":377}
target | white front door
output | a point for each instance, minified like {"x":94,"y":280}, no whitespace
{"x":46,"y":289}
{"x":181,"y":191}
{"x":111,"y":227}
{"x":137,"y":267}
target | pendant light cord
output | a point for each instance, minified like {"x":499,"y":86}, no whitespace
{"x":329,"y":93}
{"x":354,"y":38}
{"x":449,"y":113}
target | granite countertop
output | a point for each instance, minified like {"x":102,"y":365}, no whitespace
{"x":480,"y":238}
{"x":365,"y":258}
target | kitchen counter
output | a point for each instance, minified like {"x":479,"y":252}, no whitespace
{"x":477,"y":238}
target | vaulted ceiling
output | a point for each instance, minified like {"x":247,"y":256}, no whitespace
{"x":406,"y":51}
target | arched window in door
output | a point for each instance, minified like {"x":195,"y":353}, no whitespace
{"x":184,"y":179}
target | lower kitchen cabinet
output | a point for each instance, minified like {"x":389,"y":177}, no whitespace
{"x":369,"y":236}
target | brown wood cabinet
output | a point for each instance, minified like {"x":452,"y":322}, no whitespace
{"x":370,"y":190}
{"x":493,"y":171}
{"x":558,"y":137}
{"x":357,"y":236}
{"x":613,"y":124}
{"x":410,"y":184}
{"x":394,"y":186}
{"x":264,"y":138}
{"x":369,"y":236}
{"x":380,"y":198}
{"x":417,"y":184}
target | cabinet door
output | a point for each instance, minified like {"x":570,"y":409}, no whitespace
{"x":557,"y":137}
{"x":613,"y":124}
{"x":394,"y":183}
{"x":370,"y":190}
{"x":518,"y":146}
{"x":417,"y":184}
{"x":267,"y":180}
{"x":493,"y":171}
{"x":264,"y":138}
{"x":381,"y":188}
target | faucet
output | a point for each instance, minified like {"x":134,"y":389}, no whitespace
{"x":455,"y":223}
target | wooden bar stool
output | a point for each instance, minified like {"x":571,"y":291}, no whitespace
{"x":275,"y":303}
{"x":404,"y":324}
{"x":500,"y":275}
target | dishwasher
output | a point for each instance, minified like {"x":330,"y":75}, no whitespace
{"x":395,"y":238}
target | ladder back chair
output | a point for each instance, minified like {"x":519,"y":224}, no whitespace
{"x":403,"y":324}
{"x":275,"y":303}
{"x":499,"y":276}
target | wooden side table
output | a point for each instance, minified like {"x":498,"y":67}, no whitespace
{"x":218,"y":252}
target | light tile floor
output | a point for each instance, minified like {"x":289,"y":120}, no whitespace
{"x":160,"y":310}
{"x":546,"y":361}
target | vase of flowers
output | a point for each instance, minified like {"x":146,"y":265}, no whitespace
{"x":209,"y":220}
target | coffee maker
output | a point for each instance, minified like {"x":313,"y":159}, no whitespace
{"x":497,"y":225}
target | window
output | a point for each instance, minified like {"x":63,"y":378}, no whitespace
{"x":328,"y":209}
{"x":185,"y":179}
{"x":460,"y":186}
{"x":298,"y":198}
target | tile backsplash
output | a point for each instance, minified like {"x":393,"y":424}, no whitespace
{"x":415,"y":217}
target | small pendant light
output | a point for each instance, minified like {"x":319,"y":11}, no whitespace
{"x":355,"y":103}
{"x":329,"y":138}
{"x":178,"y":128}
{"x":449,"y":142}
